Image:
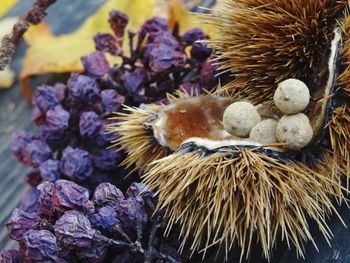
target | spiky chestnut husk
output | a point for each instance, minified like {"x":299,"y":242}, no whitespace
{"x":262,"y":42}
{"x":234,"y":194}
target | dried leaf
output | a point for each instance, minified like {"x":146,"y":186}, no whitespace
{"x":6,"y":5}
{"x":57,"y":54}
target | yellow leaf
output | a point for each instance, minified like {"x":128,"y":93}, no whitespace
{"x":57,"y":54}
{"x":6,"y":5}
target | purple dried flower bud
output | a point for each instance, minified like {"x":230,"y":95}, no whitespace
{"x":107,"y":159}
{"x":76,"y":163}
{"x":60,"y":91}
{"x":55,"y":139}
{"x":50,"y":170}
{"x":35,"y":153}
{"x":118,"y":22}
{"x":155,"y":25}
{"x":74,"y":229}
{"x":38,"y":117}
{"x":20,"y":222}
{"x":164,"y":53}
{"x":89,"y":123}
{"x":105,"y":42}
{"x":103,"y":138}
{"x":57,"y":119}
{"x":111,"y":100}
{"x":46,"y":206}
{"x":33,"y":178}
{"x":40,"y":246}
{"x":107,"y":194}
{"x":207,"y":75}
{"x":45,"y":98}
{"x":68,"y":195}
{"x":10,"y":256}
{"x":95,"y":64}
{"x":104,"y":219}
{"x":135,"y":189}
{"x":193,"y":35}
{"x":133,"y":80}
{"x":200,"y":51}
{"x":30,"y":201}
{"x":131,"y":210}
{"x":95,"y":253}
{"x":84,"y":88}
{"x":19,"y":140}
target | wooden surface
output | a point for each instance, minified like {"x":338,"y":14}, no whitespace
{"x":15,"y":114}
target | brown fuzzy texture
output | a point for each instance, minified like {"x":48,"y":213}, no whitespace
{"x":262,"y":42}
{"x":339,"y":130}
{"x":224,"y":200}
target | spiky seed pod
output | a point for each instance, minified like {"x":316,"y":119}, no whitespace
{"x":131,"y":125}
{"x":344,"y":78}
{"x":238,"y":194}
{"x":339,"y":130}
{"x":262,"y":42}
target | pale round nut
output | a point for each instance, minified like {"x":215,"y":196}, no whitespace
{"x":264,"y":132}
{"x":291,"y":96}
{"x":240,"y":117}
{"x":294,"y":130}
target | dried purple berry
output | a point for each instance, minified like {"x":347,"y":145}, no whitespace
{"x":103,"y":138}
{"x":118,"y":22}
{"x":105,"y":42}
{"x":76,"y":163}
{"x":45,"y":98}
{"x":133,"y":80}
{"x":111,"y":100}
{"x":50,"y":170}
{"x":84,"y":88}
{"x":107,"y":194}
{"x":107,"y":159}
{"x":131,"y":210}
{"x":155,"y":25}
{"x":207,"y":75}
{"x":33,"y":178}
{"x":46,"y":206}
{"x":95,"y":64}
{"x":74,"y":229}
{"x":95,"y":253}
{"x":60,"y":90}
{"x":57,"y":119}
{"x":40,"y":246}
{"x":135,"y":189}
{"x":104,"y":219}
{"x":89,"y":123}
{"x":35,"y":153}
{"x":200,"y":51}
{"x":10,"y":256}
{"x":193,"y":35}
{"x":30,"y":201}
{"x":67,"y":195}
{"x":19,"y":140}
{"x":20,"y":222}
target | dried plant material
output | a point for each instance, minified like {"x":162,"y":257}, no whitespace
{"x":344,"y":78}
{"x":339,"y":130}
{"x":56,"y":54}
{"x":6,"y":5}
{"x":262,"y":42}
{"x":7,"y":76}
{"x":132,"y":127}
{"x":232,"y":195}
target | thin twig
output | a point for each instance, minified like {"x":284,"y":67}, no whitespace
{"x":33,"y":17}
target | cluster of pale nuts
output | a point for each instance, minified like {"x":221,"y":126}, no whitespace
{"x":294,"y":130}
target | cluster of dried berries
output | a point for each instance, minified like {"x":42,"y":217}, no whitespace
{"x":56,"y":220}
{"x":111,"y":227}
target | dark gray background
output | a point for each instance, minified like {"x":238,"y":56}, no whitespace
{"x":15,"y":114}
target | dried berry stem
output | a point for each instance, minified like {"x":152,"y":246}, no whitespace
{"x":10,"y":41}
